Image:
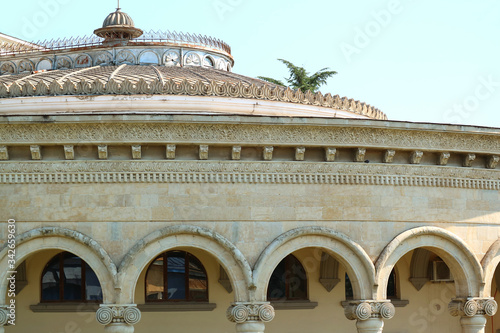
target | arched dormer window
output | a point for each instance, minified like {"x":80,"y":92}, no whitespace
{"x":67,"y":278}
{"x":288,"y":281}
{"x":176,"y":276}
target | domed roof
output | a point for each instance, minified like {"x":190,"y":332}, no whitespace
{"x":118,"y":25}
{"x":118,"y":18}
{"x":187,"y":81}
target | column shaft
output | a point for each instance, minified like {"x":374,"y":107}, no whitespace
{"x":476,"y":324}
{"x":371,"y":325}
{"x":251,"y":327}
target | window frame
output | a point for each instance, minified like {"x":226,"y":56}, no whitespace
{"x":187,"y":255}
{"x":288,"y":264}
{"x":83,"y":282}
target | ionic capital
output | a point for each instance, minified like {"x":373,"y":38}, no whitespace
{"x":4,"y":315}
{"x":470,"y":307}
{"x":243,"y":312}
{"x":364,"y":310}
{"x":118,"y":314}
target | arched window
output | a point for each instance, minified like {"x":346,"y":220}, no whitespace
{"x":392,"y":292}
{"x":176,"y":276}
{"x":67,"y":278}
{"x":289,"y":281}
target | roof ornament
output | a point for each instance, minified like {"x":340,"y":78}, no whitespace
{"x":118,"y":28}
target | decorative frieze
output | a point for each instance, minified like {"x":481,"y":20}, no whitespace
{"x":470,"y":307}
{"x":416,"y":157}
{"x":244,"y":312}
{"x":4,"y":153}
{"x":118,"y":313}
{"x":363,"y":310}
{"x":300,"y":153}
{"x":443,"y":158}
{"x":203,"y":152}
{"x":268,"y":153}
{"x":247,"y":172}
{"x":102,"y":152}
{"x":360,"y":155}
{"x":171,"y":152}
{"x":389,"y":156}
{"x":330,"y":154}
{"x":236,"y":153}
{"x":69,"y":152}
{"x":136,"y":152}
{"x":492,"y":161}
{"x":36,"y":154}
{"x":468,"y":159}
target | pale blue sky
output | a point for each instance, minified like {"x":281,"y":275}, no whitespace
{"x":416,"y":60}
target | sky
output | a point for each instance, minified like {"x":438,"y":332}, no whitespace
{"x":416,"y":60}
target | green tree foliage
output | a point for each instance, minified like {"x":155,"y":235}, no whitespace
{"x":301,"y":79}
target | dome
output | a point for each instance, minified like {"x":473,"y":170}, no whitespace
{"x":118,"y":25}
{"x":118,"y":18}
{"x":200,"y":89}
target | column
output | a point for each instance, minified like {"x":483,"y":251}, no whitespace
{"x":369,"y":315}
{"x":472,"y":312}
{"x":250,"y":317}
{"x":118,"y":318}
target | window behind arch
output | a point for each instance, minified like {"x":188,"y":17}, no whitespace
{"x":392,"y":292}
{"x":67,"y":278}
{"x":176,"y":276}
{"x":288,"y":281}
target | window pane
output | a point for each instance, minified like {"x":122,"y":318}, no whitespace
{"x":92,"y":286}
{"x":154,"y":280}
{"x":50,"y":281}
{"x":176,"y":276}
{"x":297,"y":279}
{"x":277,"y":284}
{"x":198,"y":282}
{"x":349,"y":294}
{"x":391,"y":286}
{"x":72,"y":277}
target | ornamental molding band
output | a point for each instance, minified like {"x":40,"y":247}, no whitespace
{"x":133,"y":86}
{"x":334,"y":136}
{"x":470,"y":307}
{"x":364,"y":310}
{"x":243,"y":312}
{"x":4,"y":315}
{"x":73,"y":172}
{"x":118,"y":313}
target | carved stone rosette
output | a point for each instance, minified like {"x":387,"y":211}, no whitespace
{"x":118,"y":314}
{"x":470,"y":307}
{"x":364,"y":310}
{"x":243,"y":312}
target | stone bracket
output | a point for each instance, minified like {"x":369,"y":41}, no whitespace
{"x":416,"y":157}
{"x":102,"y":151}
{"x":300,"y":153}
{"x":330,"y":154}
{"x":170,"y":154}
{"x":360,"y":155}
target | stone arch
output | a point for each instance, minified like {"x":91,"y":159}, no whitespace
{"x":350,"y":254}
{"x":490,"y":263}
{"x":160,"y":241}
{"x":54,"y":238}
{"x":466,"y":269}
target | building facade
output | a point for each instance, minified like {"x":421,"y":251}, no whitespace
{"x":153,"y":189}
